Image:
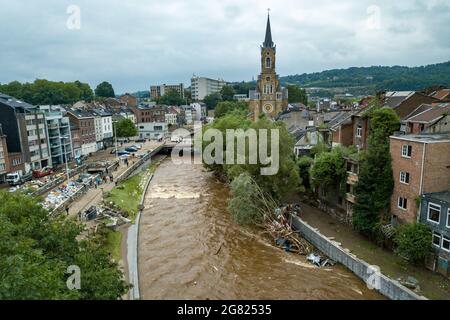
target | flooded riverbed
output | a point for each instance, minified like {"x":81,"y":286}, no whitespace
{"x":190,"y":248}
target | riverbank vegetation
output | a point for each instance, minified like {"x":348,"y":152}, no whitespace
{"x":127,"y":195}
{"x":36,"y":251}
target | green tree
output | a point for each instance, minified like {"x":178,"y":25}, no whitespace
{"x":375,"y":184}
{"x":104,"y":90}
{"x":248,"y":204}
{"x":287,"y":178}
{"x":413,"y":242}
{"x":225,"y":107}
{"x":212,"y":100}
{"x":125,"y":128}
{"x":35,"y":251}
{"x":86,"y":93}
{"x":304,"y":166}
{"x":297,"y":95}
{"x":171,"y":98}
{"x":227,"y":93}
{"x":329,"y":168}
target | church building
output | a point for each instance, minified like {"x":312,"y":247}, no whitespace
{"x":269,"y":98}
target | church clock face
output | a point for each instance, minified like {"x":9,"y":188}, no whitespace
{"x":268,"y":108}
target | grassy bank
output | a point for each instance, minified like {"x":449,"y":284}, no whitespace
{"x":113,"y":244}
{"x":128,"y":194}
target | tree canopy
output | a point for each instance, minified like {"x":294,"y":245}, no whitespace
{"x":375,"y":184}
{"x":44,"y":92}
{"x":227,"y":93}
{"x":171,"y":98}
{"x":212,"y":100}
{"x":125,"y":128}
{"x":104,"y":90}
{"x":36,"y":251}
{"x":297,"y":95}
{"x":225,"y":107}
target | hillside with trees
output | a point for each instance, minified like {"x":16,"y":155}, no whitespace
{"x":367,"y":80}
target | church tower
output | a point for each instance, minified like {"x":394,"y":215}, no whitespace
{"x":269,"y":98}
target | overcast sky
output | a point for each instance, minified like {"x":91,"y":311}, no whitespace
{"x":136,"y":43}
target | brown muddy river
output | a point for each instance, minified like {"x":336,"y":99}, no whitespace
{"x":190,"y":248}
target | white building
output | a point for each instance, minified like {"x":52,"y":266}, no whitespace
{"x":153,"y":130}
{"x":59,"y":136}
{"x":199,"y":111}
{"x":201,"y":87}
{"x":171,"y":118}
{"x":189,"y":114}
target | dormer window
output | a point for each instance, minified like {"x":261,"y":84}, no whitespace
{"x":268,"y":62}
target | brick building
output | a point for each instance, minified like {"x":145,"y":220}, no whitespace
{"x":4,"y":159}
{"x":128,"y":100}
{"x":83,"y":123}
{"x":420,"y":164}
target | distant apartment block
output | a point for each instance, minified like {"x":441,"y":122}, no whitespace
{"x":59,"y":136}
{"x":160,"y":90}
{"x":153,"y":130}
{"x":26,"y":134}
{"x":420,"y":164}
{"x":201,"y":87}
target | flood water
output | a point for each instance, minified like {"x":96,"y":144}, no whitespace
{"x":190,"y":248}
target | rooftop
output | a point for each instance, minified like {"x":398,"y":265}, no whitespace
{"x":441,"y":196}
{"x":423,"y":137}
{"x":14,"y":103}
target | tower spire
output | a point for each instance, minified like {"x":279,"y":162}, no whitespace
{"x":268,"y":43}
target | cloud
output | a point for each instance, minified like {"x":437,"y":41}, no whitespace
{"x":136,"y":43}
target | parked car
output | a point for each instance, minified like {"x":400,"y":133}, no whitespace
{"x":137,"y":146}
{"x":131,"y":149}
{"x":141,"y":140}
{"x":122,"y":153}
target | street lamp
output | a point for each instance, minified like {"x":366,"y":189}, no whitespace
{"x":115,"y":135}
{"x":62,"y":138}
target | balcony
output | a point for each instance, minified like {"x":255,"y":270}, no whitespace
{"x":352,"y":178}
{"x":350,"y":198}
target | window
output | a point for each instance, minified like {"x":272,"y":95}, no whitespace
{"x":434,"y":213}
{"x":437,"y":239}
{"x":406,"y":151}
{"x":446,"y":243}
{"x":448,"y":218}
{"x":404,"y":177}
{"x":268,"y":62}
{"x":359,"y":132}
{"x":402,"y":203}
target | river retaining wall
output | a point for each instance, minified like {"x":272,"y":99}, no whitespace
{"x":388,"y":287}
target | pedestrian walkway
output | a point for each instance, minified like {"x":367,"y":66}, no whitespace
{"x":432,"y":285}
{"x":94,"y":196}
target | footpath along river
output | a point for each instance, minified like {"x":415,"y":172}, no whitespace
{"x":190,"y":248}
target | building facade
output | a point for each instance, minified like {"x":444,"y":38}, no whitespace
{"x":158,"y":91}
{"x":59,"y":135}
{"x":153,"y":130}
{"x":83,"y":124}
{"x":269,"y":98}
{"x":4,"y":161}
{"x":420,"y":164}
{"x":202,"y":87}
{"x":435,"y":212}
{"x":26,"y":134}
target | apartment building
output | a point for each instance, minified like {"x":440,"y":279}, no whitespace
{"x":83,"y":124}
{"x":435,"y":212}
{"x":59,"y":135}
{"x":153,"y":130}
{"x":202,"y":87}
{"x":129,"y":100}
{"x":103,"y":128}
{"x":26,"y":134}
{"x":158,"y":91}
{"x":420,"y":164}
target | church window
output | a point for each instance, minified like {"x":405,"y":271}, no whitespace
{"x":268,"y":63}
